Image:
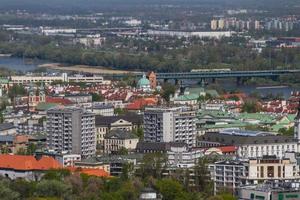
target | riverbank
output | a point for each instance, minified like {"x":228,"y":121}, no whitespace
{"x":84,"y":69}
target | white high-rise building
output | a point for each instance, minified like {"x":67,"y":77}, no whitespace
{"x":213,"y":24}
{"x":174,"y":124}
{"x":71,"y":130}
{"x":221,"y":24}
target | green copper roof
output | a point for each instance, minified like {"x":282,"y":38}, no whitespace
{"x":143,"y":81}
{"x":4,"y":81}
{"x":187,"y":97}
{"x":45,"y":106}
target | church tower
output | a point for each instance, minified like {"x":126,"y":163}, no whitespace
{"x":42,"y":94}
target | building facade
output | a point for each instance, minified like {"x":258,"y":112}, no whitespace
{"x":175,"y":124}
{"x":118,"y":139}
{"x":71,"y":130}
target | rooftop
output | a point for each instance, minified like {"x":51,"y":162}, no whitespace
{"x":27,"y":163}
{"x":120,"y":135}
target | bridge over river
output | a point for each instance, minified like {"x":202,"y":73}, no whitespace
{"x":213,"y":75}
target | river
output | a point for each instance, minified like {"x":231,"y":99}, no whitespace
{"x":19,"y":64}
{"x":26,"y":65}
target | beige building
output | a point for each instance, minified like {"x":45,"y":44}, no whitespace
{"x":272,"y":168}
{"x":104,"y":124}
{"x":214,"y":24}
{"x":221,"y":24}
{"x":117,"y":139}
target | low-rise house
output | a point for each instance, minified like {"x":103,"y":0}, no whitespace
{"x":31,"y":127}
{"x":270,"y":191}
{"x":27,"y":167}
{"x":104,"y":124}
{"x":79,"y":98}
{"x":7,"y":129}
{"x":104,"y":110}
{"x":117,"y":139}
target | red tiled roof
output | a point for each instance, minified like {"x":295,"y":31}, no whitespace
{"x":138,"y":104}
{"x":89,"y":171}
{"x":27,"y":163}
{"x":58,"y":100}
{"x":227,"y":149}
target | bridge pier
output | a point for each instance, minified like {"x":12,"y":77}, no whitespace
{"x":275,"y":78}
{"x":213,"y":80}
{"x":239,"y":80}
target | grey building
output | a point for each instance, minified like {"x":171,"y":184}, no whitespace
{"x":174,"y":124}
{"x":227,"y":175}
{"x":71,"y":130}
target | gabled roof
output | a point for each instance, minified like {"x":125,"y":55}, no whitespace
{"x":107,"y":120}
{"x":120,"y":135}
{"x":6,"y":126}
{"x":139,"y":104}
{"x":58,"y":100}
{"x":27,"y":163}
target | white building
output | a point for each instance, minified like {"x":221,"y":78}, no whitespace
{"x":233,"y":174}
{"x":104,"y":110}
{"x":68,"y":160}
{"x":62,"y":78}
{"x":174,"y":124}
{"x":211,"y":34}
{"x":180,"y":156}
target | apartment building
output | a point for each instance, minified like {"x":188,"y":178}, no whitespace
{"x":232,"y":174}
{"x":170,"y":124}
{"x":71,"y":130}
{"x":227,"y":175}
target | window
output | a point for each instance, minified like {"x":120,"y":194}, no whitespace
{"x":261,"y":171}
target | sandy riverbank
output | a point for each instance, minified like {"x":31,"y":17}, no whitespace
{"x":84,"y":68}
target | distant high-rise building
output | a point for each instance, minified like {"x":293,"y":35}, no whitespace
{"x":256,"y":25}
{"x":174,"y":124}
{"x":71,"y":130}
{"x":214,"y":24}
{"x":221,"y":24}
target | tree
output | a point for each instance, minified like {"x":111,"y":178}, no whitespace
{"x":31,"y":149}
{"x":250,"y":106}
{"x":1,"y":117}
{"x":120,"y":111}
{"x":97,"y":97}
{"x":122,"y":151}
{"x":139,"y":132}
{"x":167,"y":90}
{"x":6,"y":193}
{"x":56,"y":174}
{"x":170,"y":189}
{"x":286,"y":131}
{"x":24,"y":188}
{"x":202,"y":177}
{"x":152,"y":165}
{"x":53,"y":188}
